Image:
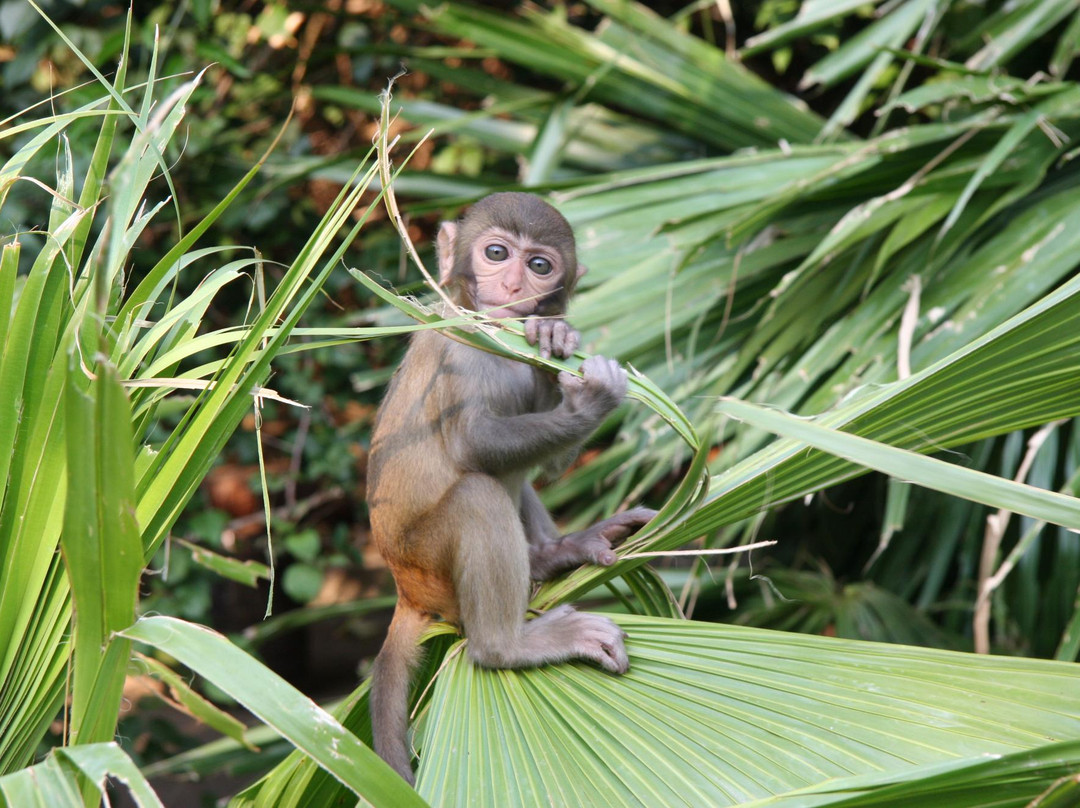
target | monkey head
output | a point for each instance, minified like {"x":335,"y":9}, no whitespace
{"x":512,"y":255}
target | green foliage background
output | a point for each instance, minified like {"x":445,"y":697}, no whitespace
{"x":862,"y":214}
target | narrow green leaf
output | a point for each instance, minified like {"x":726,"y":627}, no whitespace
{"x":547,"y":149}
{"x":1069,"y":647}
{"x":509,"y":341}
{"x":812,"y":15}
{"x":675,"y":513}
{"x":1041,"y":778}
{"x":1014,"y":28}
{"x":247,"y":572}
{"x":101,"y":545}
{"x":973,"y":89}
{"x":197,"y":706}
{"x":1011,"y":140}
{"x":27,"y":350}
{"x":9,"y":265}
{"x":1068,"y":45}
{"x":50,"y":784}
{"x":889,"y":31}
{"x":928,"y":472}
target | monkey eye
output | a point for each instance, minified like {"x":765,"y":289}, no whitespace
{"x":496,"y":252}
{"x":539,"y":265}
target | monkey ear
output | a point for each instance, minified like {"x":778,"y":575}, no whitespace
{"x":444,"y":248}
{"x":581,"y":270}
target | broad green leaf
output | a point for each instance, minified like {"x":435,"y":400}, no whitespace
{"x":278,"y":704}
{"x":57,"y":780}
{"x":691,"y":723}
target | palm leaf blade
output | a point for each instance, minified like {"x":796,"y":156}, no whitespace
{"x":688,"y":724}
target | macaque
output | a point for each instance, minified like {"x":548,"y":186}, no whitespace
{"x":452,"y":507}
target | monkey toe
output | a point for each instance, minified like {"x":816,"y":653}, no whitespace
{"x":622,"y":525}
{"x":604,"y":643}
{"x":605,"y":557}
{"x":614,"y":658}
{"x":640,"y":516}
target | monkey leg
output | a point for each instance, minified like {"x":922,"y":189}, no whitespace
{"x":491,"y":578}
{"x":592,"y":545}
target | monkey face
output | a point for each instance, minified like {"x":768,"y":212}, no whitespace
{"x":512,"y":255}
{"x":514,"y":275}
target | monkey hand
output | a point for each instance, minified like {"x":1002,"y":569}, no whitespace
{"x":553,"y":336}
{"x":600,"y":389}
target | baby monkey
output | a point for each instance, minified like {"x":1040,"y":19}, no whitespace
{"x":452,"y":508}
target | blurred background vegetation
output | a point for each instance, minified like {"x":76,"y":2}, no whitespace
{"x":754,"y":186}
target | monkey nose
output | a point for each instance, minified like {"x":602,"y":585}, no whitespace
{"x":512,"y":285}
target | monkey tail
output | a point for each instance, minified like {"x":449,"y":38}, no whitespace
{"x":390,"y":684}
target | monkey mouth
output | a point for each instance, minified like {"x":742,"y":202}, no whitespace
{"x":513,"y":310}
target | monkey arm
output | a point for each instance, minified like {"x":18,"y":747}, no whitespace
{"x":555,"y":465}
{"x":498,"y":445}
{"x":482,"y":440}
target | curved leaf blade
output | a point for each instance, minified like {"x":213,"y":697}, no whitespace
{"x":278,"y":704}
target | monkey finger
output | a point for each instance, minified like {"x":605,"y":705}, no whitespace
{"x":594,"y":366}
{"x":545,"y":329}
{"x":531,"y":328}
{"x":621,"y":381}
{"x":610,"y":375}
{"x":573,"y":339}
{"x":559,"y":333}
